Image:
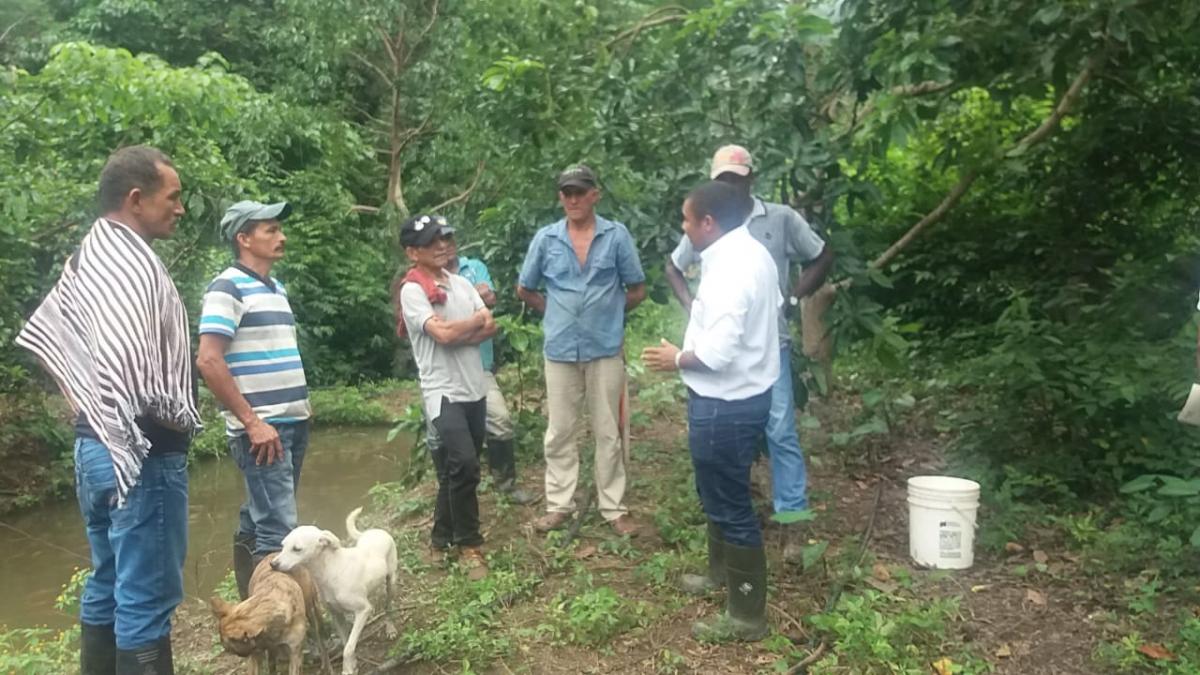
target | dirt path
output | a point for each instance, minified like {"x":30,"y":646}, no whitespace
{"x":1013,"y":613}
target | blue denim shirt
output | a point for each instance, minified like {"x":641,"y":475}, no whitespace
{"x":585,"y":307}
{"x":476,"y":272}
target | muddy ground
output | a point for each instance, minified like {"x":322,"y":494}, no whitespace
{"x":1009,"y":620}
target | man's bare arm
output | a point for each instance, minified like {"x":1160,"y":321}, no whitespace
{"x":532,"y":298}
{"x":634,"y":295}
{"x":814,"y":273}
{"x":456,"y":332}
{"x":210,"y":361}
{"x":679,"y":285}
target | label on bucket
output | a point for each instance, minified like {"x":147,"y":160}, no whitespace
{"x":949,"y":539}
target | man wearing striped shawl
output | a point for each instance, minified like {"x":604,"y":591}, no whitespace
{"x":113,"y":334}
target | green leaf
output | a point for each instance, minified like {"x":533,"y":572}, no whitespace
{"x":813,"y":552}
{"x":1139,"y":484}
{"x":1195,"y":539}
{"x":1048,"y":14}
{"x":789,"y":517}
{"x":872,"y":398}
{"x":1176,"y":487}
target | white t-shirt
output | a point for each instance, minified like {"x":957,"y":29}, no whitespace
{"x":734,"y":324}
{"x":451,"y":371}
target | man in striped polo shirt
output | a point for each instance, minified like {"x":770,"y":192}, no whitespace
{"x":250,"y":361}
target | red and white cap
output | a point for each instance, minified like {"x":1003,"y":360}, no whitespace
{"x":731,"y":159}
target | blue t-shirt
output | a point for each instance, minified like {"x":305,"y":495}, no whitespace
{"x":476,"y":272}
{"x":585,"y":306}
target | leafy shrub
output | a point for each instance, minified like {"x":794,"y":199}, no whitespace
{"x":347,"y":406}
{"x":876,"y":633}
{"x":592,"y":617}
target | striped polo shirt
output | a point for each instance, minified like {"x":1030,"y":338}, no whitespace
{"x":262,"y":355}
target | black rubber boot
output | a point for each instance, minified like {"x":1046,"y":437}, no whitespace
{"x":97,"y":650}
{"x":153,"y":660}
{"x":745,"y":616}
{"x":243,"y":563}
{"x":701,"y":584}
{"x":503,"y":464}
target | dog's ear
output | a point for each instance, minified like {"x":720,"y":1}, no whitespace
{"x":329,"y":540}
{"x":219,"y":607}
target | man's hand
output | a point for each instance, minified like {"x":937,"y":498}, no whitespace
{"x":535,"y":300}
{"x":661,"y":358}
{"x":486,"y":294}
{"x":264,"y":442}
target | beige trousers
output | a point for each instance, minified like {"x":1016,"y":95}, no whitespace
{"x":569,"y":386}
{"x":499,"y":423}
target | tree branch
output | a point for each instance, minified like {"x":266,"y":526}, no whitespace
{"x":32,"y":109}
{"x":956,"y":193}
{"x":387,"y":79}
{"x":670,"y":13}
{"x":948,"y":202}
{"x":11,"y":26}
{"x":464,"y":194}
{"x":433,"y":17}
{"x":1049,"y":124}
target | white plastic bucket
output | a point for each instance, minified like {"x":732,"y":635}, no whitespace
{"x":941,"y":521}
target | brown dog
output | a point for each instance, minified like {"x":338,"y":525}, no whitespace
{"x":273,"y":620}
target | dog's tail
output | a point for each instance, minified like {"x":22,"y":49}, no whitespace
{"x":351,"y":529}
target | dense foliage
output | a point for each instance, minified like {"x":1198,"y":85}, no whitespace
{"x":1056,"y":286}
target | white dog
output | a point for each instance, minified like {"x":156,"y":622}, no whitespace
{"x":345,"y":576}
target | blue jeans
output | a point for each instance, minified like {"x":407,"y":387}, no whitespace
{"x":789,"y":476}
{"x":269,"y":511}
{"x":723,"y":437}
{"x":137,"y":550}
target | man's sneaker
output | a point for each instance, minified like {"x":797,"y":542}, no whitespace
{"x":625,"y":526}
{"x":471,"y":559}
{"x":551,"y":521}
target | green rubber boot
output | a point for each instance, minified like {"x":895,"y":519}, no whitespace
{"x":745,"y":616}
{"x":703,"y":584}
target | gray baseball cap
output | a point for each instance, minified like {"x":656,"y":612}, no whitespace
{"x":243,"y":212}
{"x":577,"y":175}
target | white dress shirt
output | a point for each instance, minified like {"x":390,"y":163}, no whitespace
{"x":734,"y":325}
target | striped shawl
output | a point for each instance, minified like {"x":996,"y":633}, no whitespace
{"x":113,"y":333}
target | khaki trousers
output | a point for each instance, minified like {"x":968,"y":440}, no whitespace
{"x":569,"y":386}
{"x":499,"y":422}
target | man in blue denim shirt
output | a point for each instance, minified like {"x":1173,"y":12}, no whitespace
{"x":592,"y":276}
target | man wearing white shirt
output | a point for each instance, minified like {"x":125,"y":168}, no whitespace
{"x":729,"y":362}
{"x":789,"y":239}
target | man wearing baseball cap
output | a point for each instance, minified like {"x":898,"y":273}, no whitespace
{"x":592,"y":277}
{"x":250,"y":360}
{"x":788,"y":238}
{"x":446,"y":320}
